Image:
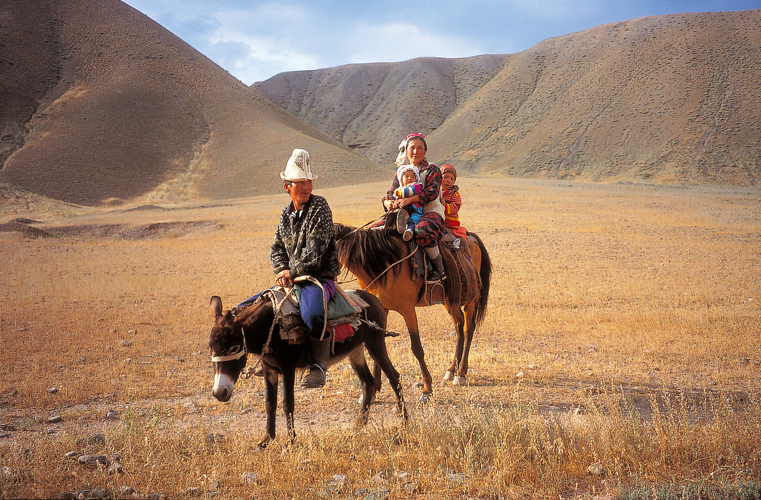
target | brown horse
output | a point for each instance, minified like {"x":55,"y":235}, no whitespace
{"x":233,"y":337}
{"x":377,"y":257}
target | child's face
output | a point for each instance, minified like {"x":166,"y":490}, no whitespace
{"x":408,"y":178}
{"x":447,"y":181}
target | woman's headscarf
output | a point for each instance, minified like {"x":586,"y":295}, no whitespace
{"x":401,"y":158}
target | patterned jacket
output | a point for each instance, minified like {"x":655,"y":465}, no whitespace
{"x":305,"y":241}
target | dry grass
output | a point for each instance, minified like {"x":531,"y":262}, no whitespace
{"x":630,"y":311}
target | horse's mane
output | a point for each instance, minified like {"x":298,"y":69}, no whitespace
{"x":372,"y":250}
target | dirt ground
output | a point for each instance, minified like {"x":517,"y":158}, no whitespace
{"x":647,"y":294}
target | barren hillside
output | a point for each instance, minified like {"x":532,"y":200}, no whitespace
{"x":369,"y":107}
{"x":98,"y":103}
{"x":670,"y":98}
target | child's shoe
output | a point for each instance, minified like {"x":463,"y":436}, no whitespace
{"x":407,"y":236}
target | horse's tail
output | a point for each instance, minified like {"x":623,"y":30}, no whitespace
{"x":485,"y":272}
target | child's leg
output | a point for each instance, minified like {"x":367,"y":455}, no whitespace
{"x":402,"y":220}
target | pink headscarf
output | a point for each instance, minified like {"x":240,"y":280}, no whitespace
{"x":402,"y":156}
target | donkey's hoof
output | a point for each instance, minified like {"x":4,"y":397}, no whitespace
{"x":458,"y":380}
{"x":264,"y":443}
{"x":361,"y":399}
{"x":449,"y":375}
{"x":425,"y":398}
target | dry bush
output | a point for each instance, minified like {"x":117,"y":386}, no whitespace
{"x":622,"y":331}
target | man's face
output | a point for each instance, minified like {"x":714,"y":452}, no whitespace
{"x":300,"y":192}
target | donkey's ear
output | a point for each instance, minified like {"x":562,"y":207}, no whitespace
{"x":216,"y":306}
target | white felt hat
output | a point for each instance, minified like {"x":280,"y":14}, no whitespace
{"x":298,"y":167}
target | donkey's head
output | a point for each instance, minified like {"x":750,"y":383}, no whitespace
{"x":228,"y":350}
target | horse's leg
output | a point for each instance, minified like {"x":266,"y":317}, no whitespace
{"x":459,"y":322}
{"x":470,"y":323}
{"x":357,"y":359}
{"x":470,"y":317}
{"x":410,"y":319}
{"x":289,"y":380}
{"x":270,"y":405}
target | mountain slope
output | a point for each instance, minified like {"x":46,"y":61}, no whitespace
{"x":108,"y":106}
{"x":669,"y":98}
{"x":369,"y":107}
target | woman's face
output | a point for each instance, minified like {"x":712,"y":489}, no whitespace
{"x":415,"y":151}
{"x":447,"y":181}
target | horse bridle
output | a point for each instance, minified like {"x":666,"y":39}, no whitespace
{"x":242,"y":351}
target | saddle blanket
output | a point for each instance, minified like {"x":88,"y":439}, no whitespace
{"x":344,"y":314}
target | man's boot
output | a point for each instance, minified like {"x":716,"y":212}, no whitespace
{"x":320,"y":352}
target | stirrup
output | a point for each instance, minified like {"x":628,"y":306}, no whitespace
{"x":307,"y":385}
{"x":439,"y":278}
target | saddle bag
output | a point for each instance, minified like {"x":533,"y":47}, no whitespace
{"x":344,"y":308}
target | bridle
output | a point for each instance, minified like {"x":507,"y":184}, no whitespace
{"x":239,"y":353}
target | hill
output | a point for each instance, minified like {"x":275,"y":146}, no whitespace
{"x":99,"y":104}
{"x":669,"y":98}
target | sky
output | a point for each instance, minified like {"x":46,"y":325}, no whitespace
{"x":254,"y":40}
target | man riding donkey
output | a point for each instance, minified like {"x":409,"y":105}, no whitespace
{"x":305,"y":245}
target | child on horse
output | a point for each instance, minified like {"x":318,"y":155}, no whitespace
{"x":450,"y":193}
{"x":409,"y":185}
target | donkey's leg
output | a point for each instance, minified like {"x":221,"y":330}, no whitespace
{"x":366,"y":379}
{"x":379,"y":353}
{"x":410,"y":319}
{"x":289,"y":380}
{"x":459,"y":321}
{"x":270,"y":405}
{"x":376,"y":368}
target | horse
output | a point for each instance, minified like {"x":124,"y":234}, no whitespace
{"x":250,"y":330}
{"x":379,"y":259}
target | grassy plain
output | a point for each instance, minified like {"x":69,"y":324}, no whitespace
{"x":623,"y":333}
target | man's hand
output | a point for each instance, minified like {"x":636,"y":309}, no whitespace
{"x":284,"y":278}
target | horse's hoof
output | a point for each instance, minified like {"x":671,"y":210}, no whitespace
{"x":425,"y":398}
{"x":458,"y":380}
{"x":448,"y":375}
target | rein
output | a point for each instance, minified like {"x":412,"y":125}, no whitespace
{"x":362,"y":227}
{"x":389,"y":267}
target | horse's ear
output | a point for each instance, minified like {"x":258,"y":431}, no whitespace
{"x":216,"y":306}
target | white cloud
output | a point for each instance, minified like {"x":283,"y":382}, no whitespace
{"x":400,"y":42}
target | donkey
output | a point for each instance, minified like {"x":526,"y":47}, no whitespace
{"x":233,"y":337}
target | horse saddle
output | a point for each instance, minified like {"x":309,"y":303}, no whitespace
{"x":343,"y":314}
{"x":463,"y":283}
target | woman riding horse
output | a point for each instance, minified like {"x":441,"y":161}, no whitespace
{"x":428,"y":230}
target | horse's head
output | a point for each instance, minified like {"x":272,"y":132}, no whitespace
{"x":228,"y":350}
